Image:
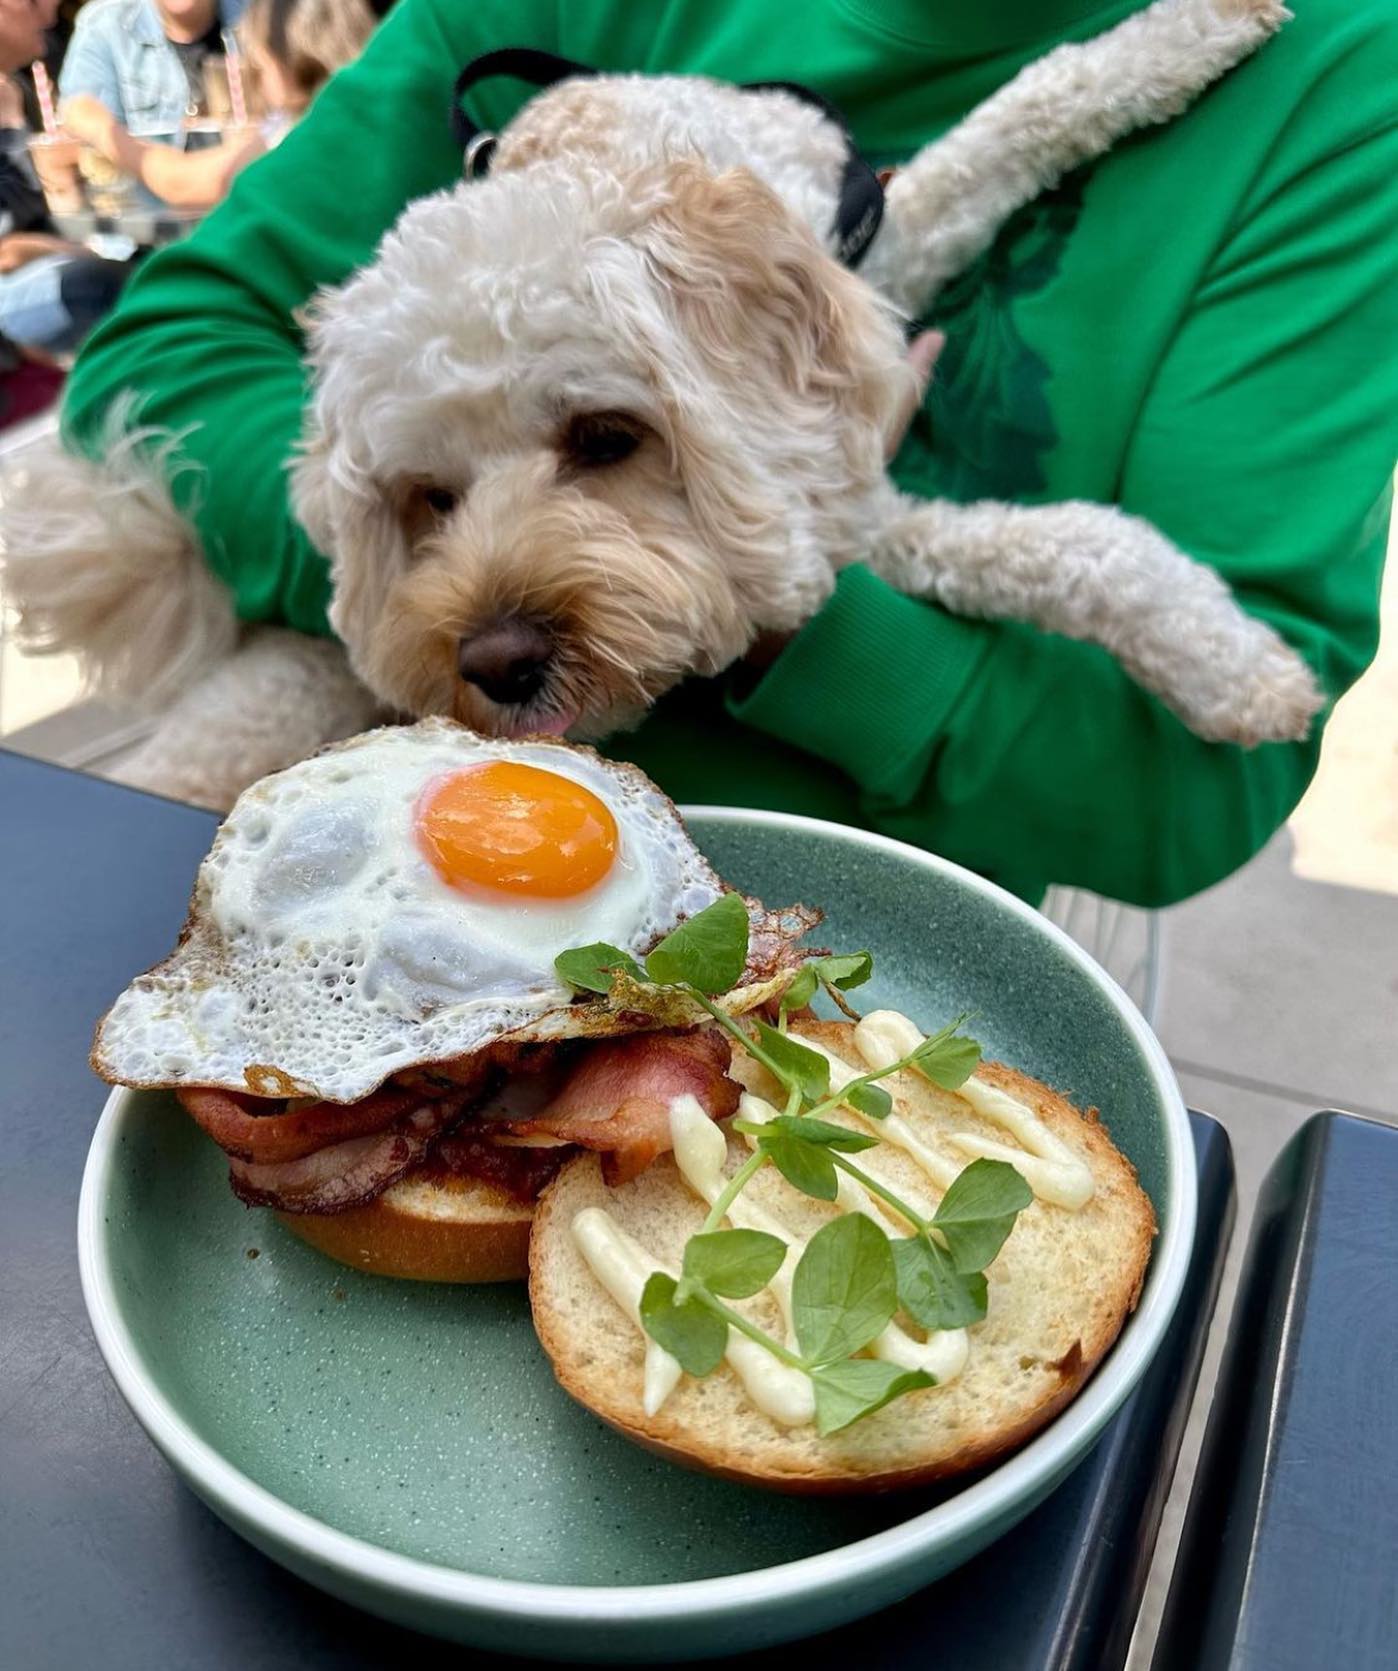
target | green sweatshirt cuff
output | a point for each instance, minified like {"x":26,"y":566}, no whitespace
{"x":868,"y":683}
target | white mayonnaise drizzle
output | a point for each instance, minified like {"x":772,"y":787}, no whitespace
{"x":1047,"y":1165}
{"x":622,"y":1265}
{"x":895,"y":1129}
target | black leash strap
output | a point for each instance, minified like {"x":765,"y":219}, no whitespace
{"x":858,"y":214}
{"x":523,"y":63}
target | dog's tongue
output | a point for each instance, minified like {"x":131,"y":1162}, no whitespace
{"x":554,"y":725}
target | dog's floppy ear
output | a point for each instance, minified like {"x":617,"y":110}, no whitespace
{"x":333,"y":495}
{"x":755,"y":289}
{"x":311,"y":482}
{"x":356,"y":528}
{"x":312,"y":491}
{"x":775,"y":368}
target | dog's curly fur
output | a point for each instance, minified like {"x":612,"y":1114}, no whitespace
{"x":647,"y":256}
{"x":760,"y":378}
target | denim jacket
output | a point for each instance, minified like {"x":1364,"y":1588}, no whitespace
{"x":119,"y":56}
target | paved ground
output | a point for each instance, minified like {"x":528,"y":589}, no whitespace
{"x":1347,"y":827}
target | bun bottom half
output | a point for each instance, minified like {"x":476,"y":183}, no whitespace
{"x":427,"y":1229}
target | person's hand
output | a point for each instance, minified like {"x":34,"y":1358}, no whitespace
{"x":187,"y":179}
{"x":208,"y":174}
{"x":17,"y":249}
{"x":922,"y":357}
{"x":89,"y":120}
{"x":240,"y":147}
{"x":11,"y":103}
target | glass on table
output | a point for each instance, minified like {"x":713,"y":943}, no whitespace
{"x":111,"y":191}
{"x":56,"y":159}
{"x":227,"y":100}
{"x":217,"y":102}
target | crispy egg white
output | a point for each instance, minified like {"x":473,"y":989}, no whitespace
{"x":324,"y":952}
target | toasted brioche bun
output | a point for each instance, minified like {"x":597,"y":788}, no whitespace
{"x":1059,"y":1292}
{"x":440,"y":1229}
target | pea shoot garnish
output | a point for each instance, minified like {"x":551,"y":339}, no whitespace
{"x":852,"y":1277}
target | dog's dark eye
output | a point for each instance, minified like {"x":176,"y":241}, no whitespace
{"x":422,"y":507}
{"x":593,"y":440}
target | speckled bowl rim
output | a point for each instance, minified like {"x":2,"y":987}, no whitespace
{"x":896,"y":1549}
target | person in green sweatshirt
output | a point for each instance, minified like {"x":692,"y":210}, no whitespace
{"x":1199,"y":328}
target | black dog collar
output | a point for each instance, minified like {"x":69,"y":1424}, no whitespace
{"x":858,"y":213}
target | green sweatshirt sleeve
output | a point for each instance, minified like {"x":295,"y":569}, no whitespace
{"x":1265,"y":448}
{"x":205,"y":342}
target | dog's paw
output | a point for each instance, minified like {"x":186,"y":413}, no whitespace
{"x":1271,"y":699}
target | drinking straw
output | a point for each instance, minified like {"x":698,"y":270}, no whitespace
{"x":237,"y":105}
{"x":43,"y":91}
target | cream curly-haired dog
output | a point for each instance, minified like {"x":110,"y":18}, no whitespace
{"x":596,"y":421}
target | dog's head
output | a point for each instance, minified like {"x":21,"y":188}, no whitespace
{"x":574,"y":437}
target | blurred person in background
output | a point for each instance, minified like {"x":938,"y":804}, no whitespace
{"x":133,"y":76}
{"x":293,"y":48}
{"x":52,"y":292}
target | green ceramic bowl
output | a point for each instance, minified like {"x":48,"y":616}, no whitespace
{"x":405,"y":1447}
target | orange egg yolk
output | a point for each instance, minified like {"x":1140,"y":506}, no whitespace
{"x":516,"y":828}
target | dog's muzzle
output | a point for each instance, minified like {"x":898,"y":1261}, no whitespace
{"x":507,"y":661}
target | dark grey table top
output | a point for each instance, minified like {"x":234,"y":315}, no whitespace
{"x":106,"y":1559}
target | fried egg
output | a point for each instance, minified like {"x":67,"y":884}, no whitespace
{"x":397,"y":900}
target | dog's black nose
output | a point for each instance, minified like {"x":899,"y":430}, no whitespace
{"x":508,"y":661}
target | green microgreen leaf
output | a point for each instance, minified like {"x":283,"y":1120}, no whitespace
{"x":689,"y":1332}
{"x":824,"y":1132}
{"x":948,"y":1058}
{"x":841,"y":972}
{"x":871,"y":1100}
{"x":852,"y":1278}
{"x":734,"y":1263}
{"x":801,"y":990}
{"x":978,"y":1212}
{"x":856,"y":1387}
{"x":799,"y":1067}
{"x":805,"y":1166}
{"x":845,"y":972}
{"x":589,"y":968}
{"x":844,"y":1290}
{"x":931,"y":1289}
{"x":708,"y":951}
